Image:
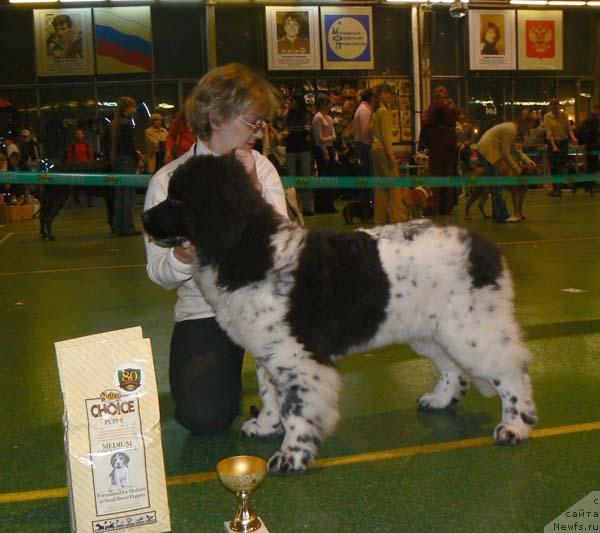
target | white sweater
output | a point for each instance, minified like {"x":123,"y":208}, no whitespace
{"x":163,"y":267}
{"x":499,"y":142}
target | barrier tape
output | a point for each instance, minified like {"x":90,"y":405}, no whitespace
{"x":346,"y":182}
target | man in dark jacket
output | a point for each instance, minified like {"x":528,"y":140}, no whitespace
{"x":588,"y":134}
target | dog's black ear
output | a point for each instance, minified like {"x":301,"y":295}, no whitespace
{"x":218,"y":199}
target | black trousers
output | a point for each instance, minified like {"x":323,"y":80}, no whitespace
{"x":205,"y":373}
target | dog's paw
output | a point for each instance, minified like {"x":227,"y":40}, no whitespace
{"x":432,"y":402}
{"x":282,"y":463}
{"x":510,"y":434}
{"x":253,"y":428}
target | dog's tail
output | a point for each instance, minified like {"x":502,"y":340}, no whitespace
{"x":484,"y":387}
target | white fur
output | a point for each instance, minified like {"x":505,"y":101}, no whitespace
{"x":468,"y":332}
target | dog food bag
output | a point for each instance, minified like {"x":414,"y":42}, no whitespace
{"x":115,"y":467}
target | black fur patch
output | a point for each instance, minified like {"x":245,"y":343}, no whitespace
{"x":485,"y":262}
{"x":340,"y":295}
{"x":228,"y":221}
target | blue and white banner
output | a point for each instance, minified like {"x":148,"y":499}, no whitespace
{"x":347,"y":37}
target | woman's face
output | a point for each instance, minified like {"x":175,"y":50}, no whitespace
{"x":242,"y":132}
{"x":291,"y":27}
{"x":491,"y":36}
{"x":79,"y":136}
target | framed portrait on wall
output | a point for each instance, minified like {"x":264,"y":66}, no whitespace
{"x":492,"y":41}
{"x":293,"y":38}
{"x":63,"y":42}
{"x":347,"y":35}
{"x":540,"y":40}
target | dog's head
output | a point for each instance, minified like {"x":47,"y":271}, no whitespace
{"x":209,"y":202}
{"x":119,"y":460}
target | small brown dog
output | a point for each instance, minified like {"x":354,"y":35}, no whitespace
{"x":477,"y":193}
{"x":415,"y":200}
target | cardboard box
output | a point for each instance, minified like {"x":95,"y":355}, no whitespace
{"x":113,"y":445}
{"x":26,"y":211}
{"x":10,"y":213}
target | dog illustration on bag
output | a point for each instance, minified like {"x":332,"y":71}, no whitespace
{"x":119,"y":476}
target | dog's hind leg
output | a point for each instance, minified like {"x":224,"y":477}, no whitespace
{"x":453,"y":382}
{"x":308,"y":399}
{"x":499,"y":357}
{"x":267,"y":422}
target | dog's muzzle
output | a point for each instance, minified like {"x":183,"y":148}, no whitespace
{"x":164,"y":225}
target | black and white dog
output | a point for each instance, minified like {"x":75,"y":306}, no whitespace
{"x":300,"y":298}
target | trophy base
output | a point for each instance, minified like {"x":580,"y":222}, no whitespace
{"x":261,"y":529}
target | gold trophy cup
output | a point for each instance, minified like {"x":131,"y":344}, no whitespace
{"x":243,"y":474}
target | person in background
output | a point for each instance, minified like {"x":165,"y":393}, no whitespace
{"x":179,"y":139}
{"x":388,"y":206}
{"x":125,"y":159}
{"x":226,"y":111}
{"x":324,"y":136}
{"x":497,"y":148}
{"x":588,"y":133}
{"x":30,"y":150}
{"x":558,"y":133}
{"x":361,"y":126}
{"x":156,"y":139}
{"x":298,"y":122}
{"x":466,"y":134}
{"x":15,"y":163}
{"x":80,"y":151}
{"x":440,"y":120}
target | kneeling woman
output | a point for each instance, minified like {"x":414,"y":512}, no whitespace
{"x":225,"y":111}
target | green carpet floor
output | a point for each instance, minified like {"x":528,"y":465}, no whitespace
{"x":65,"y":289}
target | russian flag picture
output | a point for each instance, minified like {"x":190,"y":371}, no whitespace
{"x":123,"y":40}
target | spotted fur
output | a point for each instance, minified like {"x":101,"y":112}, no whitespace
{"x":298,"y":299}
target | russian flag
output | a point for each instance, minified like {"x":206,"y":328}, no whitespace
{"x":123,"y":40}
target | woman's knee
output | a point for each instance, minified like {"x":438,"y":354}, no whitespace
{"x":207,"y":419}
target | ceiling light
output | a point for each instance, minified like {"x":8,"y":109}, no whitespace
{"x":33,"y":1}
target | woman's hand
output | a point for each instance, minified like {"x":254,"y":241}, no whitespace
{"x":247,"y":160}
{"x":186,"y":253}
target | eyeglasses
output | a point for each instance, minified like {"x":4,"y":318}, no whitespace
{"x":254,"y":127}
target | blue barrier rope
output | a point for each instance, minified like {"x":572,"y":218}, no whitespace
{"x":346,"y":182}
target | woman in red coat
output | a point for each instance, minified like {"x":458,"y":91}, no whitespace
{"x":440,"y":119}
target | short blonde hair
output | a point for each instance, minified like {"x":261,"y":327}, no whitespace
{"x":228,"y":92}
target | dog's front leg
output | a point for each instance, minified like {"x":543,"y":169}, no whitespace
{"x":308,"y":399}
{"x":267,"y":422}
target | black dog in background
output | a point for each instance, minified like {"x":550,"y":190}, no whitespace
{"x":54,"y":197}
{"x":362,"y":209}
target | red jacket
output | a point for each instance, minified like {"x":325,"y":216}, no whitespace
{"x":80,"y":152}
{"x":180,"y":136}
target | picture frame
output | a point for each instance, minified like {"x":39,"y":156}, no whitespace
{"x":347,"y":37}
{"x":63,"y":42}
{"x":293,"y":37}
{"x":492,"y":39}
{"x":540,"y":35}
